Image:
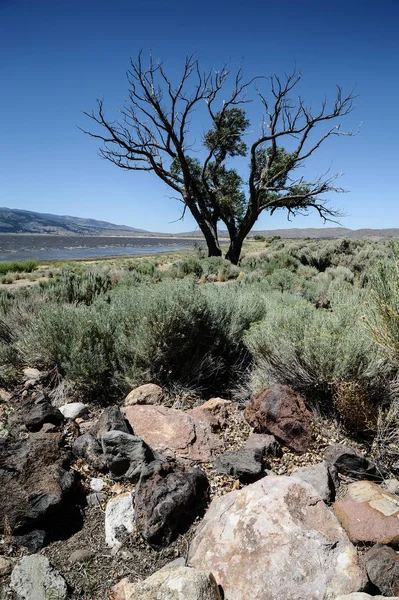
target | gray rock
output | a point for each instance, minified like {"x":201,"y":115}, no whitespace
{"x":267,"y":444}
{"x":95,"y":499}
{"x":111,"y":420}
{"x":276,"y":539}
{"x":119,"y":520}
{"x":168,"y":497}
{"x":87,"y":447}
{"x":81,"y":555}
{"x":35,"y":579}
{"x":32,"y":542}
{"x":391,"y":485}
{"x":74,"y":410}
{"x":344,"y":460}
{"x":244,"y":464}
{"x":181,"y":583}
{"x":363,"y":596}
{"x":382,"y":566}
{"x":319,"y":477}
{"x":5,"y":566}
{"x":125,"y":455}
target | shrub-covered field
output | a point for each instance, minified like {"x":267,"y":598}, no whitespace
{"x":321,"y":316}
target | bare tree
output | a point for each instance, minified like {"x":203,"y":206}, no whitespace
{"x":152,"y":134}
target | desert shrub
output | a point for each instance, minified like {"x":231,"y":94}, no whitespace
{"x":315,"y":350}
{"x":80,"y":288}
{"x":187,"y":266}
{"x":22,"y":266}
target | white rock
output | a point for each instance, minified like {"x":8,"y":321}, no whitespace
{"x":97,"y":484}
{"x":119,"y":513}
{"x":74,"y":410}
{"x":31,"y":374}
{"x":362,"y":596}
{"x":181,"y":583}
{"x":276,"y":540}
{"x":35,"y":579}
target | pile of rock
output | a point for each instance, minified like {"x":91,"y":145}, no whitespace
{"x":271,"y":537}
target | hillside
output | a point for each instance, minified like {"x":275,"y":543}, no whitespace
{"x":13,"y":220}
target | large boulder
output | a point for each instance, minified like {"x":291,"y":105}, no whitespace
{"x":168,"y":497}
{"x":126,"y":455}
{"x":35,"y":579}
{"x":369,"y":514}
{"x":382,"y":566}
{"x":344,"y":460}
{"x":173,"y":432}
{"x":149,"y":393}
{"x":33,"y":481}
{"x":276,"y":540}
{"x":282,"y":412}
{"x":181,"y":583}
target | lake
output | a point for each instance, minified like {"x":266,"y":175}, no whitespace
{"x":65,"y":247}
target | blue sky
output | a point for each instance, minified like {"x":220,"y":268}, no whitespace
{"x":57,"y":57}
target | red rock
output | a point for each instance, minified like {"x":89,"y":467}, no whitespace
{"x":369,"y":514}
{"x":282,"y":412}
{"x":173,"y":433}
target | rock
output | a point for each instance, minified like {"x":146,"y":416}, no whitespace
{"x":33,"y":481}
{"x":216,"y":412}
{"x":87,"y":447}
{"x":319,"y":477}
{"x":32,"y":374}
{"x":181,"y":583}
{"x":266,"y":443}
{"x":282,"y":412}
{"x":369,"y":514}
{"x":244,"y":464}
{"x":150,"y":393}
{"x":97,"y":484}
{"x":34,"y":578}
{"x":362,"y":596}
{"x":4,"y":433}
{"x":173,"y":432}
{"x":126,"y":455}
{"x":81,"y":555}
{"x":168,"y":497}
{"x":119,"y":520}
{"x":173,"y":564}
{"x":35,"y":415}
{"x":276,"y":539}
{"x":95,"y":499}
{"x":346,"y":461}
{"x":5,"y":566}
{"x":391,"y":485}
{"x":74,"y":410}
{"x":111,"y":420}
{"x":32,"y":542}
{"x":382,"y":566}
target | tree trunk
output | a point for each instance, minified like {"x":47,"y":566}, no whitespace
{"x":234,"y":251}
{"x":208,"y":228}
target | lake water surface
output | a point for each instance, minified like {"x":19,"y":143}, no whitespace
{"x":64,"y":247}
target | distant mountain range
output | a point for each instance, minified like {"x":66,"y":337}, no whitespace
{"x":13,"y":220}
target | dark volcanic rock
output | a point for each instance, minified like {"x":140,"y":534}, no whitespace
{"x":87,"y":447}
{"x":111,"y":420}
{"x":245,"y":464}
{"x":167,"y":499}
{"x":382,"y":566}
{"x":282,"y":412}
{"x":126,"y":455}
{"x":36,"y":414}
{"x":32,"y":542}
{"x":33,"y":482}
{"x":346,"y":461}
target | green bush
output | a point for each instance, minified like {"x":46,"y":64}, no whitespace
{"x":22,"y":266}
